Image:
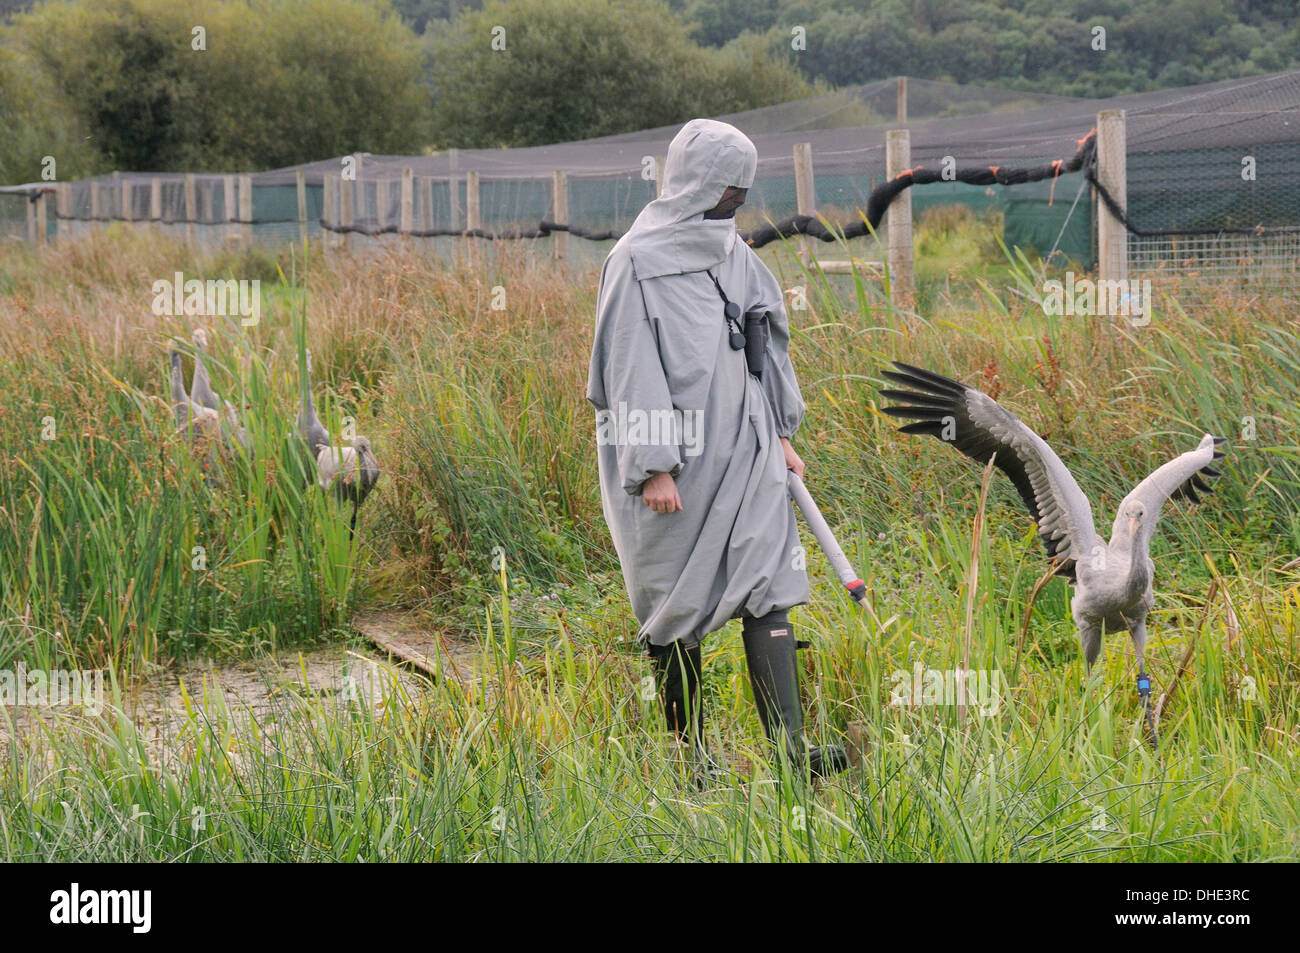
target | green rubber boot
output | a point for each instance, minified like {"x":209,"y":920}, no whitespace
{"x":678,"y":671}
{"x":770,"y":654}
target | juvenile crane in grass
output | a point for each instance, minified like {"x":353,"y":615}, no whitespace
{"x":192,"y":419}
{"x":1112,"y":580}
{"x":352,"y":471}
{"x":202,"y":393}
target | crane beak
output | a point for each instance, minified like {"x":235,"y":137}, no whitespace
{"x":1133,"y":526}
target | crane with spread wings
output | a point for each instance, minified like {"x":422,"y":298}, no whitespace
{"x":1112,"y":579}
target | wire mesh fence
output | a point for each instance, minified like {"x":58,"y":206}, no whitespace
{"x":1213,"y":177}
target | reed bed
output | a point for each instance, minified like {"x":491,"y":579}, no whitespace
{"x":125,"y":548}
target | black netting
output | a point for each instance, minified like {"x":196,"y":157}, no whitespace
{"x":1186,"y":149}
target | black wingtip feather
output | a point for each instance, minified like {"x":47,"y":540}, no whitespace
{"x":930,"y":378}
{"x":914,"y":397}
{"x":923,"y":427}
{"x":919,"y":413}
{"x":1197,"y":485}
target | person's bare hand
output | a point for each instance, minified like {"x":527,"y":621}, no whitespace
{"x":660,"y":493}
{"x":792,"y":460}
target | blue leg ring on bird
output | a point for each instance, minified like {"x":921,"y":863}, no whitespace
{"x":1144,"y":693}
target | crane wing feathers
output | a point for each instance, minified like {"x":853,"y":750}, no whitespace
{"x":980,"y":428}
{"x":1183,"y":478}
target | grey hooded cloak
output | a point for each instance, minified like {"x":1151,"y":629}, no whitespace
{"x":672,"y":396}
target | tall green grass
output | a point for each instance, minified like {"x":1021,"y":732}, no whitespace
{"x":488,"y":521}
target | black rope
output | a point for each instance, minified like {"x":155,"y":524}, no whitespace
{"x":883,"y":196}
{"x":543,"y":229}
{"x":171,"y":221}
{"x":1109,"y":201}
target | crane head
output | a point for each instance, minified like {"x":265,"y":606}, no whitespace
{"x":1135,"y":512}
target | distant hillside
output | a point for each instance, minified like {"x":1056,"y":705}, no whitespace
{"x":1049,"y":46}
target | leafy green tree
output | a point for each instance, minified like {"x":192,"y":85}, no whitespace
{"x":264,"y":85}
{"x":1039,"y":45}
{"x":34,"y":128}
{"x":572,"y":69}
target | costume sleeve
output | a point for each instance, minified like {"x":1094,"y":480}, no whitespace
{"x":626,"y":377}
{"x":779,"y":382}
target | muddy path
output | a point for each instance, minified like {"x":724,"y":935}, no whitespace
{"x":396,"y":666}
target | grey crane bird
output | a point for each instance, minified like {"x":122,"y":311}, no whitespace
{"x":350,"y":471}
{"x":192,"y":419}
{"x":202,"y":393}
{"x":309,"y":425}
{"x":1112,"y":580}
{"x":201,"y":384}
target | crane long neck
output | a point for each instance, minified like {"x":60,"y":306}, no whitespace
{"x":1134,"y":546}
{"x":308,"y":405}
{"x":178,"y":380}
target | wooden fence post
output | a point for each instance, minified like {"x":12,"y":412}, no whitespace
{"x":229,"y":204}
{"x":329,"y":212}
{"x":300,"y":180}
{"x":207,"y":205}
{"x":560,"y":212}
{"x":246,"y":209}
{"x":898,"y":158}
{"x":63,"y":210}
{"x":347,"y":190}
{"x":472,"y":215}
{"x":805,"y":194}
{"x":453,"y":183}
{"x":381,"y":205}
{"x":124,"y":201}
{"x":41,"y":220}
{"x":406,"y":212}
{"x":155,"y":201}
{"x":426,"y":217}
{"x":29,"y":208}
{"x":189,"y":207}
{"x":1112,"y":173}
{"x":94,"y":205}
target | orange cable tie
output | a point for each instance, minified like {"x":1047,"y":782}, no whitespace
{"x":1056,"y":172}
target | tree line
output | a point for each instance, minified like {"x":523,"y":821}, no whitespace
{"x":245,"y":85}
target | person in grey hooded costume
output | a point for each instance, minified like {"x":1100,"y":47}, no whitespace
{"x":693,"y":449}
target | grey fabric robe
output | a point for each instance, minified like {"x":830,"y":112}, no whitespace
{"x":672,"y":396}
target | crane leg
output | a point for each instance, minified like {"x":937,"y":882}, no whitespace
{"x":1139,"y":634}
{"x":1090,"y":642}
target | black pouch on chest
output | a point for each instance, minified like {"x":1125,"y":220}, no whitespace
{"x":756,"y":331}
